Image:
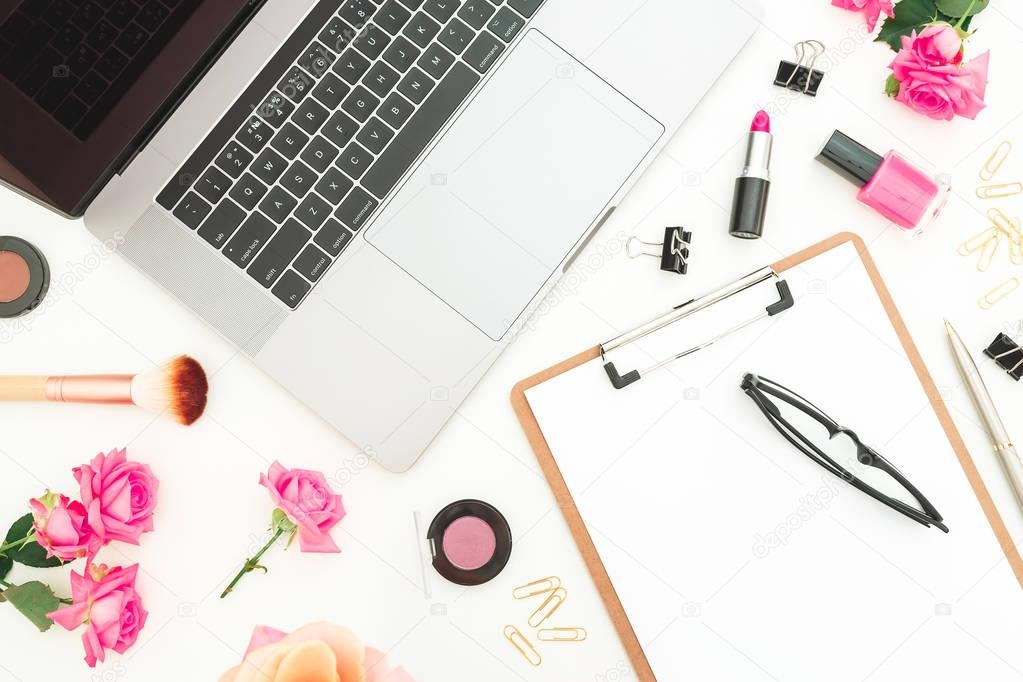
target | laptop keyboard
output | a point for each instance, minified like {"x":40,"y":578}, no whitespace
{"x":305,"y":156}
{"x":77,"y":59}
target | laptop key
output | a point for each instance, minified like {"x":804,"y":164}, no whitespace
{"x":371,"y":41}
{"x":441,"y":10}
{"x":415,"y":85}
{"x":483,"y":52}
{"x":219,"y":227}
{"x":333,"y":238}
{"x":375,"y":135}
{"x":333,"y":186}
{"x":312,"y":263}
{"x":319,"y":154}
{"x":456,"y":36}
{"x":381,"y":79}
{"x":291,"y":289}
{"x":299,"y":179}
{"x":278,"y":205}
{"x":296,"y":84}
{"x":412,"y":4}
{"x":395,"y":110}
{"x":351,"y":66}
{"x":354,"y":160}
{"x":255,"y":134}
{"x":289,"y":141}
{"x":269,"y":166}
{"x":331,"y":91}
{"x":436,"y":61}
{"x":275,"y":109}
{"x":476,"y":13}
{"x":421,"y":30}
{"x":310,"y":117}
{"x":392,"y":17}
{"x":337,"y":35}
{"x":526,"y":8}
{"x":401,"y":54}
{"x":278,"y":254}
{"x":213,"y":185}
{"x":506,"y":24}
{"x":356,"y":209}
{"x":313,"y":211}
{"x":248,"y":191}
{"x":249,"y":239}
{"x":340,"y":129}
{"x":420,"y":130}
{"x":234,"y":160}
{"x":357,"y":12}
{"x":317,"y":60}
{"x":192,"y":210}
{"x":361,"y":103}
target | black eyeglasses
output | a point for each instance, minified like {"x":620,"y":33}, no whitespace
{"x":761,"y":390}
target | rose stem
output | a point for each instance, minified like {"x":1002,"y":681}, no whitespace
{"x":19,"y":543}
{"x":251,"y":564}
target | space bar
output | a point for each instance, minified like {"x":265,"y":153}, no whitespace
{"x":420,"y":129}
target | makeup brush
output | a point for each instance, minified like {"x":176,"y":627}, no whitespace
{"x":178,"y":388}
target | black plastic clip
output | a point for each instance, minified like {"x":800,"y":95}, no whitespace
{"x":673,"y":251}
{"x":1008,"y":354}
{"x":800,"y":76}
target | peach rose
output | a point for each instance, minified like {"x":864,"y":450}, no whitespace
{"x":320,"y":652}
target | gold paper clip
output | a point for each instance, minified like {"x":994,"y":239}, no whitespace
{"x":1011,"y":229}
{"x":537,"y":587}
{"x":998,"y":294}
{"x":987,"y":256}
{"x":995,"y":161}
{"x":524,"y":646}
{"x":997,"y":191}
{"x":562,"y":635}
{"x":977,"y":241}
{"x":547,"y":609}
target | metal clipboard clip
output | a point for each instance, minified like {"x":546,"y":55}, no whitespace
{"x":785,"y":301}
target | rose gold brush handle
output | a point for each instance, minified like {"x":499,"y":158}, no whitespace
{"x":110,"y":389}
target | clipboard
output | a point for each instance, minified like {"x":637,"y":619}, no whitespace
{"x":574,"y":519}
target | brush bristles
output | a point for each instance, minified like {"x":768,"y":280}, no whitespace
{"x":178,"y":388}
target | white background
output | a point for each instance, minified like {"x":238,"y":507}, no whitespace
{"x":211,"y":514}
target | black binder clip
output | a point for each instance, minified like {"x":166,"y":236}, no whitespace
{"x":800,"y":76}
{"x":673,"y":252}
{"x":1008,"y":354}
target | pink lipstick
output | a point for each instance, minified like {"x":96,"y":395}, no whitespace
{"x":752,"y":188}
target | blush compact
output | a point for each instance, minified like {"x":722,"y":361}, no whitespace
{"x":470,"y":542}
{"x":24,"y":277}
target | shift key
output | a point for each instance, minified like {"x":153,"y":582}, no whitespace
{"x":279,"y":253}
{"x":249,"y":239}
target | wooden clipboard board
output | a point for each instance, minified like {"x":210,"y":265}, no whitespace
{"x":578,"y":527}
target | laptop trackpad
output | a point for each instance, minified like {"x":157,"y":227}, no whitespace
{"x":510,"y":189}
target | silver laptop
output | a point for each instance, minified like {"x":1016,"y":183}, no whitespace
{"x":366,"y":196}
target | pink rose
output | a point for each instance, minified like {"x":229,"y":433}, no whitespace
{"x":936,"y":45}
{"x":943,"y":91}
{"x":62,"y":528}
{"x":309,"y":503}
{"x":119,"y":495}
{"x":320,"y":652}
{"x":106,"y":603}
{"x":872,"y":8}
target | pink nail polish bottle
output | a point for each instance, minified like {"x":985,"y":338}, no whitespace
{"x":890,"y":184}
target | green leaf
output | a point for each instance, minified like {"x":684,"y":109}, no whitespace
{"x":5,"y":566}
{"x":892,"y":86}
{"x":958,"y":8}
{"x":30,"y":554}
{"x":34,"y":600}
{"x":910,"y":15}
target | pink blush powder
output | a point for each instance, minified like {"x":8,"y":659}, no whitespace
{"x":469,"y":543}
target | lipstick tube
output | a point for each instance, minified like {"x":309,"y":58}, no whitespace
{"x":753,"y":187}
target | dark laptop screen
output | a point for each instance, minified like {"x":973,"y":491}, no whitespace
{"x":81,"y":79}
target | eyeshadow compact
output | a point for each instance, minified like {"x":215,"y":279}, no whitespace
{"x":24,"y":277}
{"x":470,"y":542}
